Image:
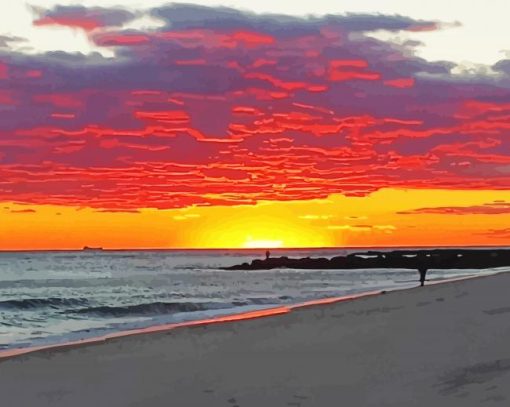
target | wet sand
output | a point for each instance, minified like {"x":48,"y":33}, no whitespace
{"x":441,"y":345}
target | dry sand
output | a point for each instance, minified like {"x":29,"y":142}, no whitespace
{"x":442,"y":345}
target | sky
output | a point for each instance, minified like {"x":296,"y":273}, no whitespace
{"x":254,"y":124}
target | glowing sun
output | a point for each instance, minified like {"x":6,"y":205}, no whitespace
{"x":262,"y":243}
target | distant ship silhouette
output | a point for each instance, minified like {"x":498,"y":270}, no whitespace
{"x":93,"y":249}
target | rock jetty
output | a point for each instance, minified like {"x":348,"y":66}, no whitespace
{"x":421,"y":260}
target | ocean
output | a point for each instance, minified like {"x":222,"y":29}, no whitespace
{"x":55,"y":297}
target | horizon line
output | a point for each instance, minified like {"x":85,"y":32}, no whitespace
{"x":250,"y":249}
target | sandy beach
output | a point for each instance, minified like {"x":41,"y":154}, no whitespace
{"x":441,"y":345}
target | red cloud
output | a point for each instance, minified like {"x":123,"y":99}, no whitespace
{"x":87,"y":24}
{"x":115,"y":39}
{"x":400,"y":83}
{"x":187,"y":38}
{"x":492,"y":208}
{"x":345,"y":70}
{"x":347,"y":63}
{"x":170,"y":117}
{"x":252,"y":38}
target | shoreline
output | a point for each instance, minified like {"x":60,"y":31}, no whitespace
{"x":163,"y":328}
{"x":227,"y":318}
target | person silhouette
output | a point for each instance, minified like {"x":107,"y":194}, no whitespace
{"x":267,"y":254}
{"x":422,"y":267}
{"x":423,"y":272}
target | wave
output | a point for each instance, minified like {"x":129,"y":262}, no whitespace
{"x":52,"y":302}
{"x":82,"y":306}
{"x":152,"y":308}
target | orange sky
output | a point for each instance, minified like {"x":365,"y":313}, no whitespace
{"x":383,"y":218}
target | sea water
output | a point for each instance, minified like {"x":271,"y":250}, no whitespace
{"x":54,"y":297}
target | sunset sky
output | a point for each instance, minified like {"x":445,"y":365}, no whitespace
{"x":231,"y":124}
